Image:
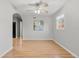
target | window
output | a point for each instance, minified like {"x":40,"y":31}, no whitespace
{"x":60,"y":22}
{"x":38,"y":25}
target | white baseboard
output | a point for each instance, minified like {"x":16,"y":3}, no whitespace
{"x":73,"y":54}
{"x":6,"y":52}
{"x":36,"y":39}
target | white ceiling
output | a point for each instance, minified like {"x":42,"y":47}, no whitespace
{"x":22,"y":5}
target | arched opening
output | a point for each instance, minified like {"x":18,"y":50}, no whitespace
{"x":17,"y":25}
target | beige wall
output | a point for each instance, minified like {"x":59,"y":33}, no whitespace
{"x":28,"y":32}
{"x":6,"y":12}
{"x":69,"y":38}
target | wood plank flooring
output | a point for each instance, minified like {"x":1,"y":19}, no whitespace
{"x":37,"y":49}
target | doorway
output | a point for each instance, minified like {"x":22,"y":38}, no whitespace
{"x":17,"y":26}
{"x":14,"y":29}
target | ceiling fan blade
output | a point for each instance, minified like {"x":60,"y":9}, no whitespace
{"x":32,"y":4}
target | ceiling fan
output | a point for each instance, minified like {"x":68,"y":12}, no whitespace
{"x":41,"y":7}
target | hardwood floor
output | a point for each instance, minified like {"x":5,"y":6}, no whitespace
{"x":37,"y":49}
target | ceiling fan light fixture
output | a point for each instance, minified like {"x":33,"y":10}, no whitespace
{"x":37,"y":11}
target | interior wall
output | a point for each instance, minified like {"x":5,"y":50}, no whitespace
{"x":29,"y":33}
{"x":69,"y":38}
{"x":6,"y":12}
